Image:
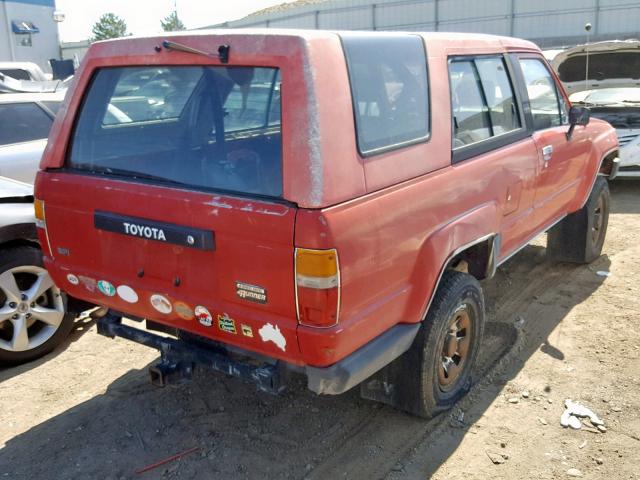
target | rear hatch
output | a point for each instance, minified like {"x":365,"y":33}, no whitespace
{"x":169,"y":206}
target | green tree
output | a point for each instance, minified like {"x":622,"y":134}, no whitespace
{"x":109,"y":26}
{"x":172,"y":23}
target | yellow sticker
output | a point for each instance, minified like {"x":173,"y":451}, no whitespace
{"x":227,"y":324}
{"x":246,"y":330}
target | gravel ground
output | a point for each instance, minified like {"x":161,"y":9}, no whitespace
{"x":555,"y":331}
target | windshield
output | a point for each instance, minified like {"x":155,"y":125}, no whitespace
{"x":211,"y":128}
{"x":607,"y":96}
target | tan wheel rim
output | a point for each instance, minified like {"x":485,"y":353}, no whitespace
{"x":598,"y":221}
{"x":455,"y":348}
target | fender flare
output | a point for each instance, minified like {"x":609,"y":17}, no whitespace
{"x":449,"y":240}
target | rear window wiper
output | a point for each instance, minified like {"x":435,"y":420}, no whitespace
{"x":127,"y":173}
{"x":223,"y":50}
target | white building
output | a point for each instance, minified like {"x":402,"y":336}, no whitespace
{"x":28,"y":32}
{"x":546,"y":22}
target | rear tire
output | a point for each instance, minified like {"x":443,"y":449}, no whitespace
{"x":24,"y":265}
{"x":444,"y":353}
{"x":580,"y":236}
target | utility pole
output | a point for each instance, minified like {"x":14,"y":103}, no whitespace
{"x":587,"y":27}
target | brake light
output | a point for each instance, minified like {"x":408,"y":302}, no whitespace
{"x":38,"y":206}
{"x":317,"y":287}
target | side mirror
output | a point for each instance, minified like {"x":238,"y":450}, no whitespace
{"x":577,"y":116}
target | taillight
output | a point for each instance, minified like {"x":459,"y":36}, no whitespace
{"x":38,"y":206}
{"x":317,"y":287}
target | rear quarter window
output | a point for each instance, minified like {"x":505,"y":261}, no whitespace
{"x":389,"y":89}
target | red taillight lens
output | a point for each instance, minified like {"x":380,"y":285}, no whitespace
{"x":317,"y":287}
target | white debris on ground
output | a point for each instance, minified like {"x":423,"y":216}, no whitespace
{"x":574,"y":411}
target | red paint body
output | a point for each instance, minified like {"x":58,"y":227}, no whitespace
{"x":395,"y":218}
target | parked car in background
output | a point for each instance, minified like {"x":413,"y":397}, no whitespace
{"x":33,"y":314}
{"x":24,"y":71}
{"x":316,"y":201}
{"x":611,"y":91}
{"x":25,"y":121}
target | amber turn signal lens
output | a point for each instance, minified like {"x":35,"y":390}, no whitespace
{"x":38,"y":206}
{"x":316,"y":263}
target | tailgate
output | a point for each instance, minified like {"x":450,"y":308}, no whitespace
{"x":219,"y":266}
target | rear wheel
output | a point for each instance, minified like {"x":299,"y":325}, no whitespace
{"x":33,"y":317}
{"x":446,"y":348}
{"x":580,"y":236}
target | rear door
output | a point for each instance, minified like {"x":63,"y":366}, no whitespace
{"x":169,"y":206}
{"x":561,"y":161}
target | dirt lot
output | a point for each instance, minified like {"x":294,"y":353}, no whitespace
{"x":556,"y":331}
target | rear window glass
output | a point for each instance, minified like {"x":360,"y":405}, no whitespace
{"x":213,"y":128}
{"x":23,"y":122}
{"x":389,"y":89}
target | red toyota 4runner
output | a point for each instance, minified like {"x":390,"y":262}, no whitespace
{"x":313,"y":201}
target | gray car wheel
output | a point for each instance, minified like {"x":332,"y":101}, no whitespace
{"x":33,"y":318}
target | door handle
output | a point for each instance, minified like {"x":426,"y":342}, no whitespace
{"x":547,"y":152}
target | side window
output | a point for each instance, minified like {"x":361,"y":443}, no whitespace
{"x":23,"y":122}
{"x":482,"y":100}
{"x":548,"y":108}
{"x":389,"y":89}
{"x":499,"y":94}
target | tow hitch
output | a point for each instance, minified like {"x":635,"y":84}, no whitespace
{"x":179,"y":358}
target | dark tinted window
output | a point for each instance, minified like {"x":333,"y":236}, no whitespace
{"x":482,"y":100}
{"x":205,"y":127}
{"x":16,"y":73}
{"x":546,"y":108}
{"x":23,"y":122}
{"x":389,"y":88}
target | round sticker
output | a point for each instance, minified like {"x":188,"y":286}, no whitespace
{"x":107,"y":288}
{"x":73,"y":280}
{"x":128,"y":294}
{"x":161,"y":303}
{"x":203,"y":316}
{"x":183,"y":310}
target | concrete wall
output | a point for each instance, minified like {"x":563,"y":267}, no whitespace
{"x":44,"y":44}
{"x":547,"y":22}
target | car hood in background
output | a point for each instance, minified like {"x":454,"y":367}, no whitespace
{"x":14,"y":191}
{"x":612,"y":64}
{"x":11,"y":85}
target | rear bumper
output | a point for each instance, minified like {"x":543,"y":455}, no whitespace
{"x":179,"y":358}
{"x":364,"y":362}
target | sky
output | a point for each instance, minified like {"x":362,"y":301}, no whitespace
{"x":143,"y":16}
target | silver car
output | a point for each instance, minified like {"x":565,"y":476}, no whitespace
{"x":34,"y":318}
{"x":610,"y":89}
{"x":25,"y":121}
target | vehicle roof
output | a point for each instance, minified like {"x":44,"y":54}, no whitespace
{"x":456,"y":39}
{"x":32,"y":97}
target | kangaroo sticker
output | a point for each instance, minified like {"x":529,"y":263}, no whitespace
{"x":269,"y":333}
